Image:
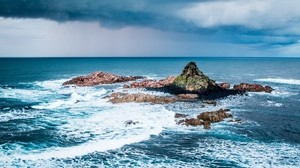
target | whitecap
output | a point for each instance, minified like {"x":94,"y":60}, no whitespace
{"x":78,"y":95}
{"x":274,"y":93}
{"x":280,"y":80}
{"x":28,"y":95}
{"x":273,"y":103}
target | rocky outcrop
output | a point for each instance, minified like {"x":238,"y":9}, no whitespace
{"x":139,"y":98}
{"x":224,"y":85}
{"x":152,"y":83}
{"x":253,"y":88}
{"x":97,"y":78}
{"x":206,"y":118}
{"x":214,"y":116}
{"x":187,"y":96}
{"x":192,"y":79}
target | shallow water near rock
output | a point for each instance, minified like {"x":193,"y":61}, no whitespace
{"x":45,"y":124}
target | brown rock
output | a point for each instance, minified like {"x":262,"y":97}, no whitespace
{"x":253,"y":88}
{"x":207,"y":125}
{"x":187,"y":96}
{"x":140,"y":98}
{"x":97,"y":78}
{"x":193,"y":122}
{"x":214,"y":116}
{"x":206,"y":118}
{"x":152,"y":83}
{"x":224,"y":85}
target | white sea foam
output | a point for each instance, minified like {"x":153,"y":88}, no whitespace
{"x":77,"y":95}
{"x":275,"y":93}
{"x":280,"y":80}
{"x":109,"y":130}
{"x":272,"y":103}
{"x":17,"y":114}
{"x":28,"y":95}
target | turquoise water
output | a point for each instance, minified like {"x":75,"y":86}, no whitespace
{"x":42,"y":124}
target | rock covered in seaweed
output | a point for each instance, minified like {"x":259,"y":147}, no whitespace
{"x":97,"y":78}
{"x":192,"y":79}
{"x":253,"y":88}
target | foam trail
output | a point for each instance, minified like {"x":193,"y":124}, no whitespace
{"x":280,"y":80}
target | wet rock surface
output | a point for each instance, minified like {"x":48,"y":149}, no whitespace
{"x":97,"y":78}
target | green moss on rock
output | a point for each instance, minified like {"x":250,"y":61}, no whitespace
{"x":192,"y":79}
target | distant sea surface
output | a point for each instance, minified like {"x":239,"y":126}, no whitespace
{"x":44,"y":124}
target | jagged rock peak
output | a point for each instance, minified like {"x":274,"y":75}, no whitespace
{"x":191,"y":69}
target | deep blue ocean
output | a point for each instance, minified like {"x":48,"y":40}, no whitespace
{"x":43,"y":124}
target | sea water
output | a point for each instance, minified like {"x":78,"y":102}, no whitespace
{"x":44,"y":124}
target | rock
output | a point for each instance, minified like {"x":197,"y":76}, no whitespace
{"x":97,"y":78}
{"x":151,"y":83}
{"x":192,"y":122}
{"x":214,"y":116}
{"x":205,"y":118}
{"x":253,"y":88}
{"x":192,"y":79}
{"x":130,"y":122}
{"x":224,"y":85}
{"x":140,"y":98}
{"x":211,"y":102}
{"x":206,"y":125}
{"x":187,"y":96}
{"x":178,"y":115}
{"x":235,"y":120}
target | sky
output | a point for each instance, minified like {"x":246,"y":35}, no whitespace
{"x":70,"y":28}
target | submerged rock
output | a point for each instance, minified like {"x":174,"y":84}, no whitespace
{"x":253,"y":88}
{"x":152,"y":83}
{"x":130,"y":122}
{"x":139,"y":98}
{"x":97,"y":78}
{"x":178,"y":115}
{"x":192,"y":79}
{"x":210,"y":102}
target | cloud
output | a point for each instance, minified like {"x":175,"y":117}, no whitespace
{"x":263,"y":23}
{"x":256,"y":14}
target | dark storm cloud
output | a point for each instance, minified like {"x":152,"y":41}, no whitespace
{"x":241,"y":21}
{"x":113,"y":13}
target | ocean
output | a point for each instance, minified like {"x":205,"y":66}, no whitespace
{"x":44,"y":124}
